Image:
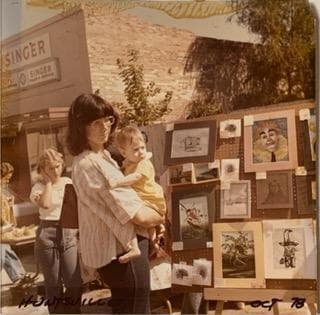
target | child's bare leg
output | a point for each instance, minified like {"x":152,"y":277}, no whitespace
{"x":133,"y":251}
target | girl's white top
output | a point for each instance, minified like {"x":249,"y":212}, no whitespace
{"x":56,"y":200}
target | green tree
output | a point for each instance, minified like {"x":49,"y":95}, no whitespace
{"x":144,"y":104}
{"x":279,"y":68}
{"x":199,"y":108}
{"x":286,"y":56}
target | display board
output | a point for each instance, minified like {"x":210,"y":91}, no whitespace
{"x":253,"y":199}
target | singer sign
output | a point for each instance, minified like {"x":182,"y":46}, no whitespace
{"x":26,"y":52}
{"x":32,"y":75}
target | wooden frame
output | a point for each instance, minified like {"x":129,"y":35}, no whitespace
{"x":238,"y":255}
{"x":206,"y":172}
{"x":306,"y":204}
{"x":193,"y":210}
{"x":235,"y":202}
{"x":267,"y":144}
{"x":262,"y":295}
{"x":310,"y":140}
{"x":290,"y":248}
{"x":275,"y":192}
{"x":191,"y":142}
{"x":181,"y":174}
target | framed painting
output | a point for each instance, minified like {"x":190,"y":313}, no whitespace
{"x":310,"y":140}
{"x":190,"y":142}
{"x":235,"y":201}
{"x":275,"y":192}
{"x":181,"y":174}
{"x":289,"y":246}
{"x":238,"y":255}
{"x":306,"y":194}
{"x":193,"y":210}
{"x":206,"y":171}
{"x":267,"y":144}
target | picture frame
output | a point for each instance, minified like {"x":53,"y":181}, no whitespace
{"x":238,"y":255}
{"x":193,"y":211}
{"x":194,"y":141}
{"x":230,"y":169}
{"x":275,"y":192}
{"x":235,"y":200}
{"x":306,"y":194}
{"x":267,"y":144}
{"x":230,"y":128}
{"x":289,"y":245}
{"x":309,"y":140}
{"x":204,"y":172}
{"x":181,"y":174}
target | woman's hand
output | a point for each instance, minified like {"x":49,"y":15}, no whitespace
{"x":45,"y":176}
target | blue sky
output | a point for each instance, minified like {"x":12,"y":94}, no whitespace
{"x":16,"y":16}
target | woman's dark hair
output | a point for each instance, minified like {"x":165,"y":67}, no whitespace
{"x":85,"y":109}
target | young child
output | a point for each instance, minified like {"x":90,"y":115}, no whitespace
{"x":140,"y":175}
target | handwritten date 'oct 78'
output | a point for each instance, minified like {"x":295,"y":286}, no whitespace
{"x":296,"y":302}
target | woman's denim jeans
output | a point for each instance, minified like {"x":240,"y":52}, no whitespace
{"x":129,"y":283}
{"x":57,"y":253}
{"x":11,"y":263}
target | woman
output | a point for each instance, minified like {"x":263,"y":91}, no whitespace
{"x":56,"y":248}
{"x":106,"y":214}
{"x":7,"y":199}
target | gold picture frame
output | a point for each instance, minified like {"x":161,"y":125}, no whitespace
{"x":267,"y":144}
{"x":238,"y":255}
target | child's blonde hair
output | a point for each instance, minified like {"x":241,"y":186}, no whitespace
{"x":6,"y":169}
{"x":127,"y":135}
{"x":49,"y":156}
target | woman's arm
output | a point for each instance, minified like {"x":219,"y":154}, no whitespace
{"x":42,"y":195}
{"x":126,"y":181}
{"x":43,"y":200}
{"x":93,"y":183}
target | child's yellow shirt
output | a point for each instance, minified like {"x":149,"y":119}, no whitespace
{"x":147,"y":188}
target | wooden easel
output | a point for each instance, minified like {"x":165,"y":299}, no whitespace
{"x":248,"y":295}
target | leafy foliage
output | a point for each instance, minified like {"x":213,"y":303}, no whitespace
{"x":198,"y":108}
{"x":280,"y":68}
{"x":286,"y":30}
{"x":143,"y":102}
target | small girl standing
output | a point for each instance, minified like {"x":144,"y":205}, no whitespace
{"x":56,"y":248}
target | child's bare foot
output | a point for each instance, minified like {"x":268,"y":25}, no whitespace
{"x":132,"y":253}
